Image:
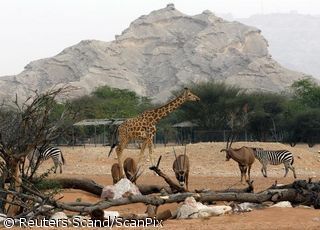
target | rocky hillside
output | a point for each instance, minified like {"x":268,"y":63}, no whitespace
{"x":293,"y":39}
{"x":158,"y":53}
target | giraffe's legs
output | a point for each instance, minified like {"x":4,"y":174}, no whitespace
{"x":119,"y":151}
{"x":141,"y":155}
{"x":150,"y":145}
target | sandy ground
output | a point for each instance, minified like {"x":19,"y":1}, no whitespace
{"x":208,"y":170}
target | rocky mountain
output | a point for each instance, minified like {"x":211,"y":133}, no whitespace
{"x":293,"y":39}
{"x":158,"y":53}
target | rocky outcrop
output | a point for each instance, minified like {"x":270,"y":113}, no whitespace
{"x":293,"y":39}
{"x":158,"y":53}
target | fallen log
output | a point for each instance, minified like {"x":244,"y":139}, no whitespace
{"x":77,"y":183}
{"x":299,"y":192}
{"x":92,"y":187}
{"x":273,"y":195}
{"x":248,"y":189}
{"x":297,"y":195}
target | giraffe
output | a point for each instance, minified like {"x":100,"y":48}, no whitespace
{"x":143,"y":127}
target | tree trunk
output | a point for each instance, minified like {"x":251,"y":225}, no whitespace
{"x":16,"y":183}
{"x":96,"y":189}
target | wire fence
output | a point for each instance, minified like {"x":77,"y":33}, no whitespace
{"x":182,"y":136}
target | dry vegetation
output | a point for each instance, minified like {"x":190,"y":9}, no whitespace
{"x":208,"y":169}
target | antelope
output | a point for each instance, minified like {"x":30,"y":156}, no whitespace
{"x":130,"y":169}
{"x":115,"y":173}
{"x":181,"y":168}
{"x":244,"y":156}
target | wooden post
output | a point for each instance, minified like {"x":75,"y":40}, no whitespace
{"x":95,"y":136}
{"x":73,"y":140}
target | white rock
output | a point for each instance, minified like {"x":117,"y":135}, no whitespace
{"x":45,"y":208}
{"x":111,"y":214}
{"x":2,"y":217}
{"x":216,"y":210}
{"x":316,"y":219}
{"x":121,"y":189}
{"x":245,"y":207}
{"x":192,"y":209}
{"x":59,"y":216}
{"x":186,"y":212}
{"x":283,"y":204}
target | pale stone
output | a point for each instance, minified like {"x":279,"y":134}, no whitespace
{"x":123,"y":188}
{"x":192,"y":210}
{"x":111,"y":214}
{"x":2,"y":217}
{"x":283,"y":204}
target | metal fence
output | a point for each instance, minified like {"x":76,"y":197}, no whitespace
{"x":179,"y":137}
{"x":98,"y":132}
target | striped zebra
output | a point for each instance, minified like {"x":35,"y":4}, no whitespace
{"x":275,"y":157}
{"x":44,"y":153}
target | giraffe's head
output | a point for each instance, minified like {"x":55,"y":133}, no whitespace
{"x":189,"y":96}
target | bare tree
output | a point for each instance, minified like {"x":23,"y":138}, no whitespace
{"x":23,"y":126}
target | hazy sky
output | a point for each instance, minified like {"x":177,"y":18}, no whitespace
{"x":34,"y":29}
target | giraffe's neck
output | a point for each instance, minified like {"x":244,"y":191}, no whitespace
{"x":158,"y":113}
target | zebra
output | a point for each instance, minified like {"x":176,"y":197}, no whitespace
{"x":275,"y":157}
{"x":44,"y":153}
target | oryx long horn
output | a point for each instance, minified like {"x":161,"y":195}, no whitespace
{"x":228,"y":139}
{"x":176,"y":157}
{"x":137,"y":174}
{"x":185,"y":153}
{"x":158,"y":163}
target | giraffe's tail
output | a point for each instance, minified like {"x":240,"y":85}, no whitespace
{"x":112,"y":147}
{"x":114,"y":141}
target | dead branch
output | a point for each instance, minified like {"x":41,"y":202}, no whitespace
{"x":296,"y":195}
{"x":285,"y":194}
{"x":173,"y":186}
{"x":23,"y":126}
{"x":96,"y":189}
{"x":248,"y":189}
{"x":299,"y":192}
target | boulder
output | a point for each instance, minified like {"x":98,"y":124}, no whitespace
{"x":111,"y":214}
{"x":282,"y":204}
{"x":123,"y":188}
{"x":191,"y":209}
{"x":61,"y":219}
{"x":2,"y":217}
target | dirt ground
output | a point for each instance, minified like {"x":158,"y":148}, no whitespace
{"x":208,"y":170}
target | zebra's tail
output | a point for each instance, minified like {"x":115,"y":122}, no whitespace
{"x":62,"y":158}
{"x":114,"y":140}
{"x":292,"y":160}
